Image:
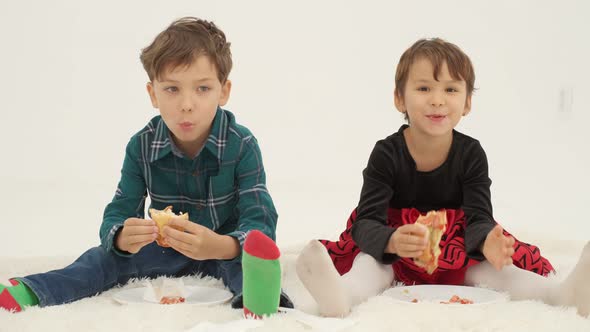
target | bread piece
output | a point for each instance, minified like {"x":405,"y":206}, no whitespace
{"x":162,"y":218}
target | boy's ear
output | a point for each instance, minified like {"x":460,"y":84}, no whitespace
{"x":150,"y":89}
{"x":467,"y":106}
{"x":225,"y":92}
{"x":399,"y":102}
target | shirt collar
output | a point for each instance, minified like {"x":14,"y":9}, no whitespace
{"x":162,"y":143}
{"x":217,"y":140}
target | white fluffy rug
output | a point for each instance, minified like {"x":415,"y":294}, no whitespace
{"x":102,"y":313}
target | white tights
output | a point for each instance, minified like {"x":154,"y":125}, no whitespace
{"x":368,"y":278}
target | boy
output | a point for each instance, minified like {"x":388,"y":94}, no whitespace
{"x":193,"y":157}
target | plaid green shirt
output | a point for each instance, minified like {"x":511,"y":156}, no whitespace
{"x":223,"y":188}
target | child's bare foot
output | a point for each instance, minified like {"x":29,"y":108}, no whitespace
{"x":318,"y":274}
{"x":575,"y":289}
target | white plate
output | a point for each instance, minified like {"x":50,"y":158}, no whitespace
{"x":438,"y":293}
{"x":198,"y":295}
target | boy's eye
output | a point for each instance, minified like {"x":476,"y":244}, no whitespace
{"x":171,"y":89}
{"x":451,"y":90}
{"x":203,"y":88}
{"x":423,"y":88}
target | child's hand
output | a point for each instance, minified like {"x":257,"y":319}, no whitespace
{"x":136,"y":234}
{"x":199,"y":242}
{"x":408,"y":241}
{"x":498,"y":248}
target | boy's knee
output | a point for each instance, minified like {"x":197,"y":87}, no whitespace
{"x":96,"y":253}
{"x":98,"y":257}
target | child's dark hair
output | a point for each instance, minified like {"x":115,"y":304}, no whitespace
{"x":437,"y":51}
{"x":181,"y":42}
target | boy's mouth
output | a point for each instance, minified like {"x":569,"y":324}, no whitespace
{"x":185,"y":125}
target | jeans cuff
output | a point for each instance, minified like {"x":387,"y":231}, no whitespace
{"x":285,"y":302}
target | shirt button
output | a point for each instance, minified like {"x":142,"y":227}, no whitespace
{"x":200,"y":206}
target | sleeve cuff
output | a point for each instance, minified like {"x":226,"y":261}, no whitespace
{"x":372,"y":238}
{"x":108,"y":242}
{"x":474,"y":239}
{"x":389,"y":259}
{"x":241,"y":237}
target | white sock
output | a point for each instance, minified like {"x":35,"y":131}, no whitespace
{"x":318,"y":274}
{"x":335,"y":294}
{"x":366,"y":278}
{"x":575,"y":289}
{"x":520,"y":284}
{"x":525,"y":285}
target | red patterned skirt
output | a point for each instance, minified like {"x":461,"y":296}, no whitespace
{"x":453,"y":261}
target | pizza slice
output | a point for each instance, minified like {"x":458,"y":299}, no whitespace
{"x":162,"y":218}
{"x":436,"y":222}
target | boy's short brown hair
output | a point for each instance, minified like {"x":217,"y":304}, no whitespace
{"x":437,"y":51}
{"x":181,"y":42}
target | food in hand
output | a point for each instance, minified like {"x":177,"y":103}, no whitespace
{"x":162,"y":218}
{"x":436,"y":222}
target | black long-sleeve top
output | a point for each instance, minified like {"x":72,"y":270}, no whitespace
{"x":392,"y":181}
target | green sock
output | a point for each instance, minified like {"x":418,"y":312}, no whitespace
{"x":261,"y":275}
{"x":22,"y":294}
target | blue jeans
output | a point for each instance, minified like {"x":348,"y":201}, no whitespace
{"x":98,"y":270}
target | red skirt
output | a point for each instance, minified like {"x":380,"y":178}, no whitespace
{"x":453,"y":261}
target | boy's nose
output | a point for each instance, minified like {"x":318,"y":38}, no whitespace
{"x":187,"y":104}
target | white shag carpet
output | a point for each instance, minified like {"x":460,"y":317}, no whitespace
{"x":102,"y":313}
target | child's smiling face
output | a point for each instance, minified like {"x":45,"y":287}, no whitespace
{"x":434,"y":107}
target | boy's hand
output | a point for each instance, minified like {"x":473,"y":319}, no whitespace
{"x":498,"y":248}
{"x":136,"y":233}
{"x":199,"y":242}
{"x":408,"y":241}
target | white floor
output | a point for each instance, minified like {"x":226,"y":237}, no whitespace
{"x":102,"y":313}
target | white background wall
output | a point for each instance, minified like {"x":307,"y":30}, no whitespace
{"x":313,"y":80}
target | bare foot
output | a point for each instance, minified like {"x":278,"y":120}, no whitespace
{"x":575,"y":289}
{"x":318,"y":274}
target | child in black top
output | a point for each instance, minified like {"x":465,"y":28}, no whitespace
{"x":428,"y":165}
